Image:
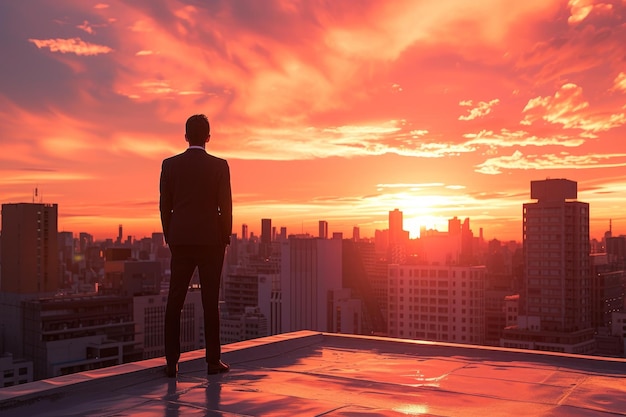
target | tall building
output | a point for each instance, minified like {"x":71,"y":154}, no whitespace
{"x":367,"y":283}
{"x":356,"y":233}
{"x":30,"y":258}
{"x":266,"y":231}
{"x":84,"y":241}
{"x":29,"y":265}
{"x":555,"y":309}
{"x":395,"y":227}
{"x":265,"y":248}
{"x":310,"y":269}
{"x":323,"y":229}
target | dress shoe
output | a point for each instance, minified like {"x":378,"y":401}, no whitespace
{"x":171,"y":370}
{"x":218,"y":367}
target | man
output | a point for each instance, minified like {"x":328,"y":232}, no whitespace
{"x":196,"y":215}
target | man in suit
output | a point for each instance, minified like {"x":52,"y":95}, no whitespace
{"x":196,"y":215}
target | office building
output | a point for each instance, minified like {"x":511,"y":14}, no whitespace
{"x":443,"y":303}
{"x":310,"y":268}
{"x":29,"y":265}
{"x":323,"y":229}
{"x":30,"y":256}
{"x":555,"y":311}
{"x":265,"y":247}
{"x":63,"y":335}
{"x":246,"y":312}
{"x":149,"y":318}
{"x":398,"y":237}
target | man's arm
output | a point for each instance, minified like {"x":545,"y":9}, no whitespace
{"x":165,"y":200}
{"x":225,"y":201}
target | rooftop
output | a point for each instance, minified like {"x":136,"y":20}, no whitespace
{"x":313,"y":374}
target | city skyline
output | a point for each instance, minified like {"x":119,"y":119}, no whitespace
{"x":325,"y":111}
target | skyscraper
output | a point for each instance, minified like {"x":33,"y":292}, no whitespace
{"x":555,"y":302}
{"x":266,"y":231}
{"x":30,"y":256}
{"x":395,"y":227}
{"x":310,"y":269}
{"x":30,"y":265}
{"x":323,"y":229}
{"x":265,"y":248}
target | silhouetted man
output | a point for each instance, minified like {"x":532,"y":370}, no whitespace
{"x":196,"y":215}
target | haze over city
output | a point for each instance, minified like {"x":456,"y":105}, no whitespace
{"x":340,"y":111}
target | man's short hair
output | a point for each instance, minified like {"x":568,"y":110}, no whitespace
{"x":197,"y":129}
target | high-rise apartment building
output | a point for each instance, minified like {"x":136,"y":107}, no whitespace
{"x":555,"y":309}
{"x":30,"y":258}
{"x":29,"y":261}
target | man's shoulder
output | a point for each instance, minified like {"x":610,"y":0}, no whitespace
{"x":216,"y":160}
{"x":173,"y":157}
{"x":194,"y":155}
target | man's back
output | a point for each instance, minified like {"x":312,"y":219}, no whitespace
{"x":196,"y":204}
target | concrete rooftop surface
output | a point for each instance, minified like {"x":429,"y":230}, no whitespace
{"x":321,"y":374}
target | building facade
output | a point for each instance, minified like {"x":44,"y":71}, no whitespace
{"x":30,"y":256}
{"x":443,"y":303}
{"x":310,"y":268}
{"x":64,"y":335}
{"x":149,"y":318}
{"x":555,"y":311}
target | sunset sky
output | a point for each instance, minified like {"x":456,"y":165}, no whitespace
{"x":326,"y":110}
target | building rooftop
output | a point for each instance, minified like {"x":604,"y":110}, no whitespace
{"x":314,"y":374}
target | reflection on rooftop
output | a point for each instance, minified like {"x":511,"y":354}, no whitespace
{"x":314,"y":374}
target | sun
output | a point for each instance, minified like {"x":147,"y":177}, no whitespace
{"x":415,"y":224}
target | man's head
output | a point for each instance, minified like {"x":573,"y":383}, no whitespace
{"x":197,"y":130}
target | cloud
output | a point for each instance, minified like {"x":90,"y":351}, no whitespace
{"x":619,"y":84}
{"x":31,"y":176}
{"x":480,"y":110}
{"x":86,"y":27}
{"x":507,"y":139}
{"x":519,"y":161}
{"x":74,"y":45}
{"x":581,"y":9}
{"x":293,"y":143}
{"x":569,"y":108}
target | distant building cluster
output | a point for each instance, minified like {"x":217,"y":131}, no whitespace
{"x":69,"y":303}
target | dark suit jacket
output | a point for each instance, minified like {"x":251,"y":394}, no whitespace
{"x":196,"y":201}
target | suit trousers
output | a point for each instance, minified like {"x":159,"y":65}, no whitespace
{"x":185,"y":258}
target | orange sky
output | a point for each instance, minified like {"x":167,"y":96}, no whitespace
{"x":337,"y":111}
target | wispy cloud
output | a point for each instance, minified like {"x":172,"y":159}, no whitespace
{"x":73,"y":45}
{"x":569,"y":108}
{"x":563,"y":161}
{"x":481,"y":109}
{"x":619,"y":84}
